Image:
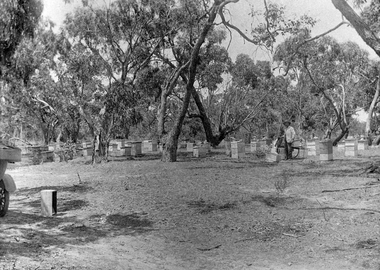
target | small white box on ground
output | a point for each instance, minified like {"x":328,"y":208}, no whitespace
{"x":325,"y":150}
{"x":48,"y":202}
{"x":312,"y":148}
{"x":189,"y":147}
{"x":136,"y":147}
{"x":351,"y":148}
{"x":199,"y":151}
{"x":127,"y":150}
{"x":273,"y":156}
{"x":363,"y":144}
{"x":237,"y":149}
{"x":341,"y":145}
{"x":227,"y":145}
{"x":254,"y":146}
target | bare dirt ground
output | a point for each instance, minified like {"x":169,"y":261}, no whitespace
{"x":209,"y":213}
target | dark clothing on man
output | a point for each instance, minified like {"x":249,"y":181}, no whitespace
{"x":288,"y":150}
{"x":289,"y":139}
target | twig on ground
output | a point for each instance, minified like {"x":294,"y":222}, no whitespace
{"x":211,"y":248}
{"x":80,"y":180}
{"x":337,"y":238}
{"x":352,"y":188}
{"x":324,"y":214}
{"x":291,"y":235}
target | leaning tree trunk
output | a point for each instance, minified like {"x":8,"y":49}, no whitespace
{"x":164,"y":99}
{"x":170,"y":150}
{"x":364,"y":31}
{"x":213,"y":140}
{"x":342,"y":135}
{"x":169,"y":153}
{"x":372,"y":107}
{"x":223,"y":132}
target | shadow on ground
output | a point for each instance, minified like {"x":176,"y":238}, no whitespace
{"x":25,"y":232}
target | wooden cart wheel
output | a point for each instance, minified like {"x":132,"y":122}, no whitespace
{"x":295,"y":152}
{"x":4,"y":199}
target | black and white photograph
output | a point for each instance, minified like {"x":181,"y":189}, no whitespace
{"x":189,"y":135}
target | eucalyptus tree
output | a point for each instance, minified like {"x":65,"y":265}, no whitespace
{"x":119,"y":40}
{"x":196,"y":23}
{"x":213,"y":63}
{"x":18,"y":20}
{"x":330,"y":71}
{"x":29,"y":85}
{"x":369,"y":94}
{"x":177,"y":33}
{"x":242,"y":101}
{"x":271,"y":24}
{"x":366,"y":24}
{"x":191,"y":23}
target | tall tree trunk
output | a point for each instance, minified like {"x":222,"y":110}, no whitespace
{"x":223,"y":132}
{"x":93,"y":157}
{"x":170,"y":149}
{"x":103,"y":144}
{"x":213,"y":140}
{"x":165,"y":94}
{"x":161,"y":114}
{"x":75,"y":131}
{"x":372,"y":107}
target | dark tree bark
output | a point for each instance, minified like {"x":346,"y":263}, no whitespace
{"x":214,"y":140}
{"x":342,"y":135}
{"x":170,"y":150}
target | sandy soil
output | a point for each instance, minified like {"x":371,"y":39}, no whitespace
{"x":209,"y":213}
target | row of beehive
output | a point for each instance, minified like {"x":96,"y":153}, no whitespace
{"x":198,"y":150}
{"x":323,"y":149}
{"x":131,"y":148}
{"x":235,"y":149}
{"x":117,"y":148}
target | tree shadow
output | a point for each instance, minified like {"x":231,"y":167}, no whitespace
{"x":332,"y":168}
{"x":24,"y":231}
{"x":80,"y":188}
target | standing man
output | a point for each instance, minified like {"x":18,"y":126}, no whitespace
{"x":289,"y":139}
